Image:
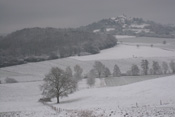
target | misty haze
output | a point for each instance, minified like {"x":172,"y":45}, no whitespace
{"x":77,"y":58}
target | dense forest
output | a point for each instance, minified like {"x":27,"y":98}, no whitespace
{"x":38,"y":44}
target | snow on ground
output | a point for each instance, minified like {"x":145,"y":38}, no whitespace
{"x":97,"y":30}
{"x":122,"y":55}
{"x":143,"y":93}
{"x":110,"y":29}
{"x":148,"y":97}
{"x":140,"y":30}
{"x":139,"y":26}
{"x":123,"y":36}
{"x":153,"y":98}
{"x":156,"y":42}
{"x":19,"y":96}
{"x":37,"y":71}
{"x":127,"y":51}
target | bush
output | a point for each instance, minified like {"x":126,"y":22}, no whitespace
{"x":10,"y":80}
{"x":45,"y":100}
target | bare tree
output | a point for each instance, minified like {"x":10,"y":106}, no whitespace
{"x":69,"y":71}
{"x":135,"y":70}
{"x":151,"y":71}
{"x":144,"y":66}
{"x":91,"y":78}
{"x":78,"y":72}
{"x":172,"y":66}
{"x":165,"y":67}
{"x":156,"y":68}
{"x":57,"y":83}
{"x":107,"y":72}
{"x":100,"y":68}
{"x":116,"y":71}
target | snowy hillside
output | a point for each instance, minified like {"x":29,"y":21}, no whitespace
{"x":149,"y":97}
{"x":144,"y":93}
{"x":123,"y":25}
{"x":127,"y":51}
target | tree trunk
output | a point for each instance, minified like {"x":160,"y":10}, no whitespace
{"x":58,"y":101}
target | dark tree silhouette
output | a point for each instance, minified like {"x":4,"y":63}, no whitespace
{"x":57,"y":83}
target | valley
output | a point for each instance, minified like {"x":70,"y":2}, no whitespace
{"x":113,"y":96}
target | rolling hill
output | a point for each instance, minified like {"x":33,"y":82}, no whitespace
{"x":123,"y":25}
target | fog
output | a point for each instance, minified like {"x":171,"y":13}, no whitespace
{"x":18,"y":14}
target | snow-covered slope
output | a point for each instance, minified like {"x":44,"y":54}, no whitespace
{"x":123,"y":25}
{"x":127,"y":51}
{"x":144,"y":93}
{"x":157,"y":93}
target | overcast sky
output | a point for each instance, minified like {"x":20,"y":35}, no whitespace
{"x":18,"y":14}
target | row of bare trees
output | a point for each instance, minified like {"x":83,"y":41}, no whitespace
{"x":145,"y":69}
{"x":99,"y":70}
{"x":155,"y":69}
{"x":59,"y":83}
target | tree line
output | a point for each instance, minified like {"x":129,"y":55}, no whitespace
{"x":101,"y":71}
{"x":59,"y":83}
{"x":145,"y":69}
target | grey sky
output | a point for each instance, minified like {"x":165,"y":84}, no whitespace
{"x":18,"y":14}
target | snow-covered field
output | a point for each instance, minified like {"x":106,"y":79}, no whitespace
{"x":143,"y":93}
{"x":123,"y":55}
{"x":156,"y":42}
{"x":127,"y":51}
{"x":124,"y":36}
{"x":151,"y":98}
{"x":155,"y":98}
